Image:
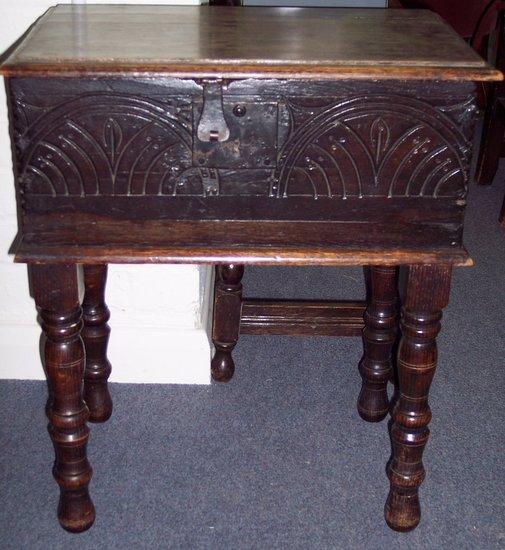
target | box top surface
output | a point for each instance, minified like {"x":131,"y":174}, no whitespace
{"x":227,"y":42}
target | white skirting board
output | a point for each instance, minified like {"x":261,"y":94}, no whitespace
{"x":162,"y":357}
{"x":159,"y":313}
{"x":139,"y":353}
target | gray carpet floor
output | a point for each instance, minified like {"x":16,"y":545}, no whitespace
{"x":278,"y":458}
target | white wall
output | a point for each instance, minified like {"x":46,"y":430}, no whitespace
{"x":158,"y":313}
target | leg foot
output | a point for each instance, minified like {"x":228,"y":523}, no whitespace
{"x":424,"y":293}
{"x":96,"y":337}
{"x":76,"y":512}
{"x":226,"y":322}
{"x":379,"y":337}
{"x":402,"y":511}
{"x":56,"y":295}
{"x":222,"y":365}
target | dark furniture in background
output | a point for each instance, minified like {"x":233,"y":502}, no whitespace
{"x":493,"y":131}
{"x":481,"y":22}
{"x":462,"y":16}
{"x":295,"y":137}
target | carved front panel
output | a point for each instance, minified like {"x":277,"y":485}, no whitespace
{"x":103,"y":144}
{"x":321,"y":142}
{"x":389,"y":146}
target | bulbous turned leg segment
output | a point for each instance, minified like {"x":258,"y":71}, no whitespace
{"x":405,"y":469}
{"x":402,"y":511}
{"x":379,"y":335}
{"x":222,"y":365}
{"x":56,"y":295}
{"x":424,"y":293}
{"x":95,"y":334}
{"x":76,"y":512}
{"x":406,"y":473}
{"x":226,"y":321}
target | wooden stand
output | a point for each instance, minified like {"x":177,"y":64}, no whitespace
{"x":95,"y":334}
{"x":425,"y":292}
{"x":55,"y":292}
{"x":379,"y":336}
{"x":231,"y":137}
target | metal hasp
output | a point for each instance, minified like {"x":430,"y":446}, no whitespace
{"x":212,"y":124}
{"x":234,"y":130}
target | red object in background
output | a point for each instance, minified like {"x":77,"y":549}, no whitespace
{"x":471,"y":19}
{"x":462,"y":15}
{"x":476,"y":21}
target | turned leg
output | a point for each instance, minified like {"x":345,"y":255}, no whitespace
{"x":95,"y":334}
{"x":56,"y":296}
{"x":226,"y":322}
{"x":379,"y":337}
{"x":424,"y":292}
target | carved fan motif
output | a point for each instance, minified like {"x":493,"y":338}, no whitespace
{"x":116,"y":144}
{"x":106,"y":145}
{"x":370,"y":147}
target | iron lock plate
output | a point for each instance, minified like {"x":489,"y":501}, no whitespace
{"x":234,"y":132}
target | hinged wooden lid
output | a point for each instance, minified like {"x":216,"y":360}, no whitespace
{"x":74,"y":40}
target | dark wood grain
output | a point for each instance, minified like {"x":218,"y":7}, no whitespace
{"x":379,"y":335}
{"x":243,"y":253}
{"x":302,"y":318}
{"x":226,"y":321}
{"x":424,"y":293}
{"x":95,"y":334}
{"x":141,"y":140}
{"x":168,"y":134}
{"x":356,"y":161}
{"x":56,"y":296}
{"x":219,"y":41}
